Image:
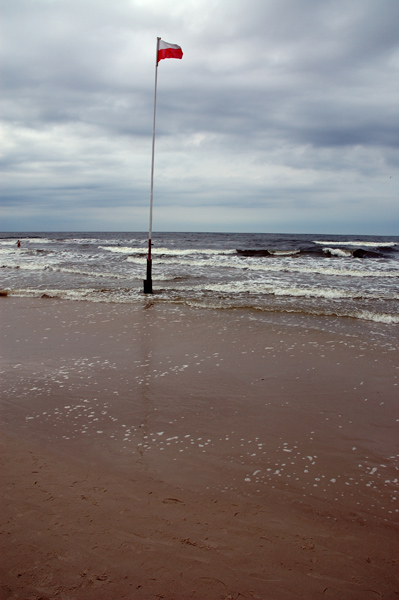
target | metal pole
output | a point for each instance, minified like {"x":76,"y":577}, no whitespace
{"x":148,"y":281}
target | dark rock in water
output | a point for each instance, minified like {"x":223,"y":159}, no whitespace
{"x":253,"y":252}
{"x":45,"y":296}
{"x":3,"y":293}
{"x":360,"y":253}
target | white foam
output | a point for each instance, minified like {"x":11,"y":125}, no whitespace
{"x":167,"y":251}
{"x":283,"y":252}
{"x":374,"y":244}
{"x":338,"y":252}
{"x":278,"y":290}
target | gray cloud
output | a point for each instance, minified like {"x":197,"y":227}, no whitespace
{"x":276,"y":109}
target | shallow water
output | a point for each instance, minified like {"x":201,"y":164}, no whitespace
{"x":345,"y":276}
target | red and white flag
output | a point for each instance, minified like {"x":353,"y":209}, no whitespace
{"x":166,"y":50}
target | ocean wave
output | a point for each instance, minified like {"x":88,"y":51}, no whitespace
{"x":376,"y":317}
{"x":315,"y":252}
{"x":365,"y":315}
{"x":356,"y":253}
{"x":284,"y":252}
{"x":31,"y":267}
{"x":7,"y":243}
{"x":261,"y":266}
{"x":338,"y":252}
{"x":161,"y":251}
{"x":24,"y":266}
{"x":115,"y":296}
{"x":34,"y":240}
{"x":340,"y":312}
{"x":85,"y":273}
{"x":284,"y":273}
{"x":210,"y":264}
{"x":372,"y":244}
{"x":204,"y":299}
{"x":8,"y":252}
{"x":233,"y":288}
{"x":124,"y":249}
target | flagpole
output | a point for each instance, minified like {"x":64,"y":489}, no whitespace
{"x":148,"y":281}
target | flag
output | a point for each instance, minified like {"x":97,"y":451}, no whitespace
{"x":166,"y":50}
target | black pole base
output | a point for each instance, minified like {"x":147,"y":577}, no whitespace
{"x":148,"y":281}
{"x":147,"y":286}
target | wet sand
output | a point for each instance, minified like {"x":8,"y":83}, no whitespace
{"x":160,"y":451}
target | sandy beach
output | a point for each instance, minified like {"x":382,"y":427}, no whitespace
{"x":160,"y":451}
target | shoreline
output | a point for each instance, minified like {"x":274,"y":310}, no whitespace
{"x":239,"y":455}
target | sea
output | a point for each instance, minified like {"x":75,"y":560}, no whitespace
{"x":341,"y":276}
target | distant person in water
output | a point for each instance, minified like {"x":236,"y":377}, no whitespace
{"x":19,"y":244}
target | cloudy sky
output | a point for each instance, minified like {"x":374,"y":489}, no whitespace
{"x":282,"y":116}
